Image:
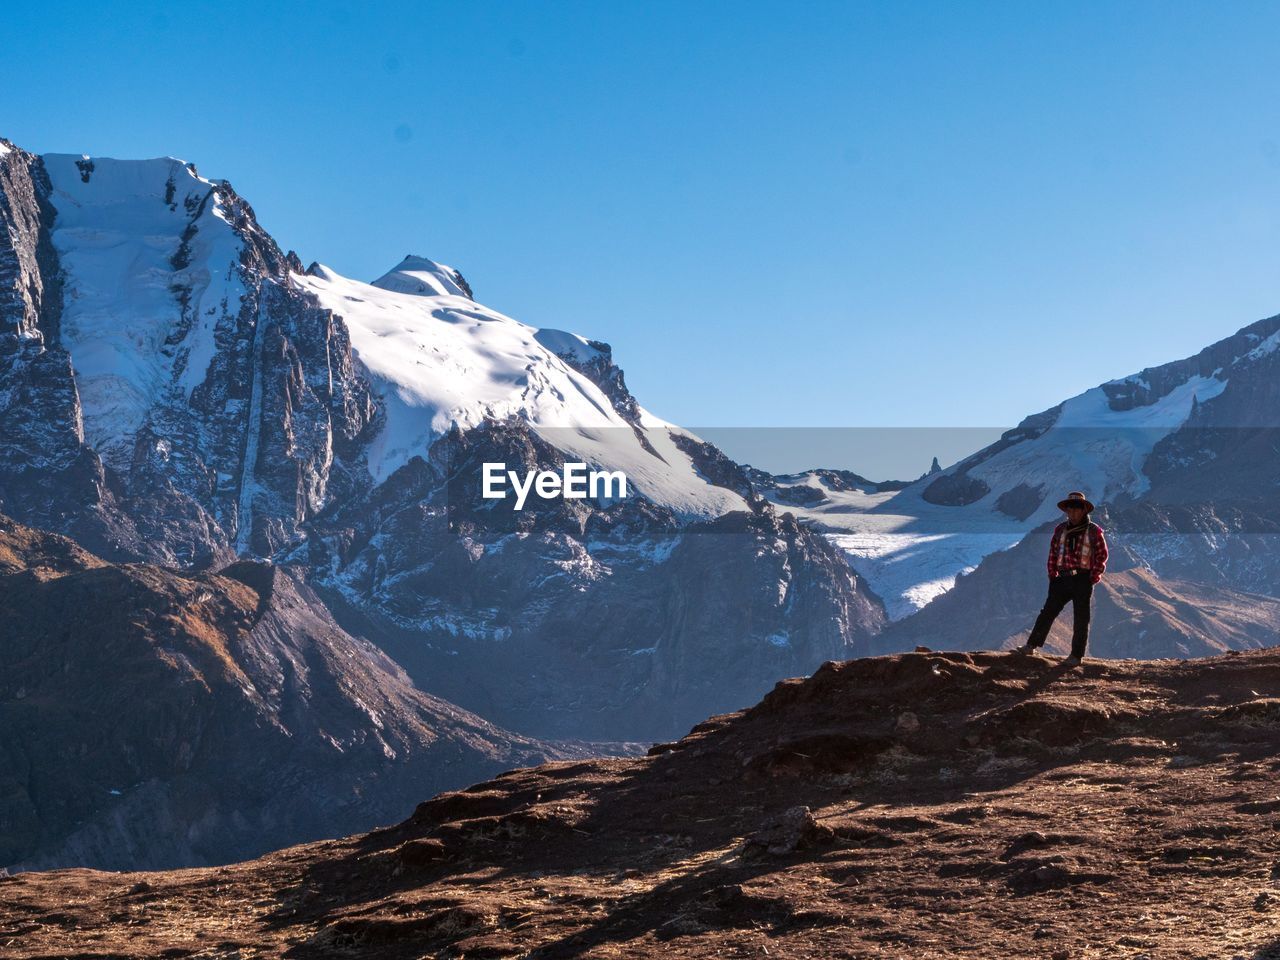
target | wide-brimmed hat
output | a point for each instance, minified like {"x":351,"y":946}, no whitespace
{"x":1076,"y":499}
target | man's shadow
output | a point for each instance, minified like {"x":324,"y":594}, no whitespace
{"x":1018,"y":665}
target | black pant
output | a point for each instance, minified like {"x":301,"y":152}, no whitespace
{"x":1073,"y":588}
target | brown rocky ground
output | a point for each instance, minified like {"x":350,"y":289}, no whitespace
{"x":958,"y":804}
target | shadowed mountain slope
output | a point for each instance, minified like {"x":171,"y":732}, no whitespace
{"x":151,"y":718}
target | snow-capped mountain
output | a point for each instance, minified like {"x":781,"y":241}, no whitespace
{"x":158,"y":266}
{"x":1172,"y":439}
{"x":438,"y":360}
{"x":175,"y":388}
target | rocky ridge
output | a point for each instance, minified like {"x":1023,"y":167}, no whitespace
{"x":916,"y":805}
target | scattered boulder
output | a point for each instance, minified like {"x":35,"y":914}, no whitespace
{"x":1031,"y":840}
{"x":1259,"y":806}
{"x":420,"y":853}
{"x":1049,"y":873}
{"x":796,"y":829}
{"x":1046,"y":876}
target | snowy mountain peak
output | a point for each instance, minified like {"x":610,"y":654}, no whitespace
{"x":177,"y":306}
{"x":150,"y":263}
{"x":424,"y":278}
{"x":438,"y":359}
{"x":105,"y":180}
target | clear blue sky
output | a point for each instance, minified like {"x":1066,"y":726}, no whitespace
{"x":819,"y":214}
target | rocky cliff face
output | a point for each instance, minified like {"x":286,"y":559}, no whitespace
{"x":46,"y":472}
{"x":625,"y":621}
{"x":1227,"y":448}
{"x":162,"y":386}
{"x":174,"y":388}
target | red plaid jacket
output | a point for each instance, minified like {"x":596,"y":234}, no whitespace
{"x":1071,"y":559}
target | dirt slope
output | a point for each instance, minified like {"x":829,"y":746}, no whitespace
{"x":958,"y":805}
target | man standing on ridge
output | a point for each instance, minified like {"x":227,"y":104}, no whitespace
{"x":1077,"y":559}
